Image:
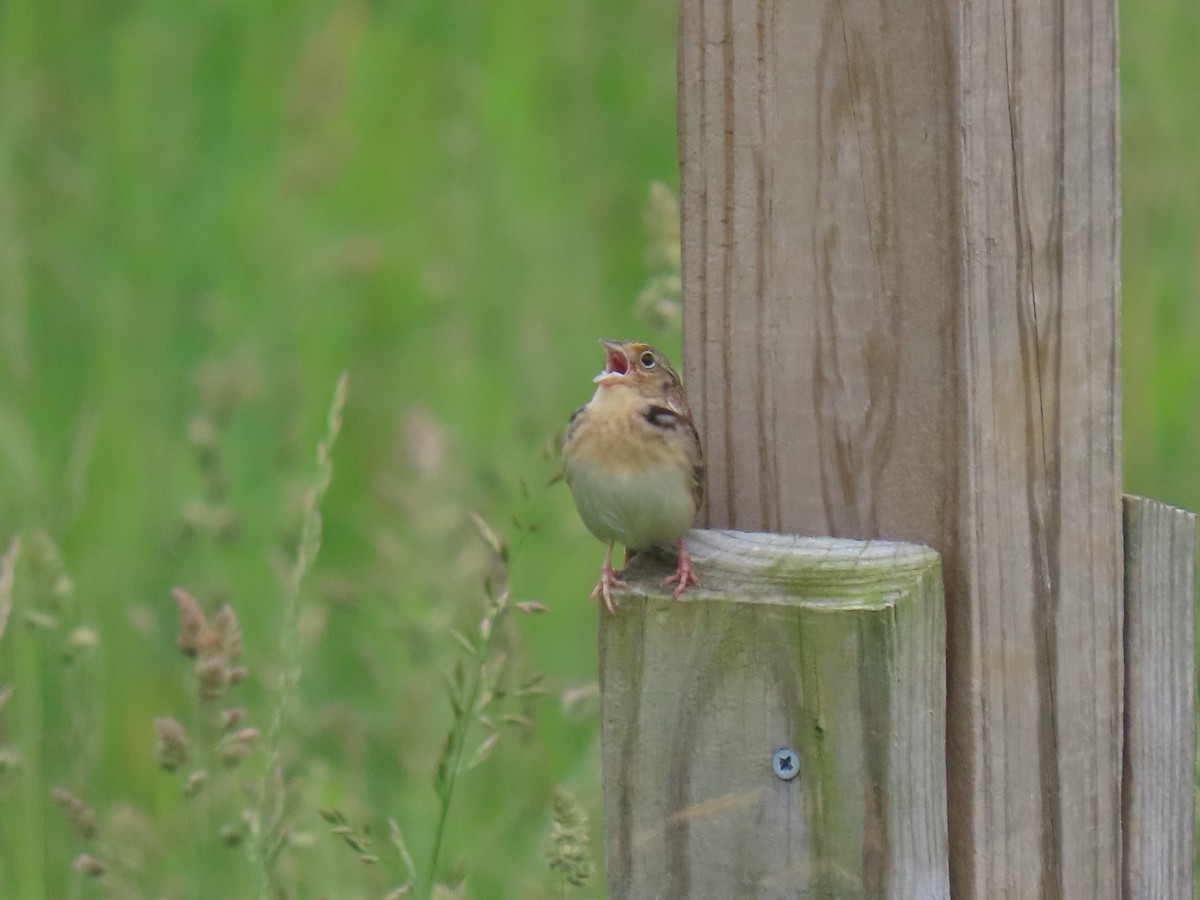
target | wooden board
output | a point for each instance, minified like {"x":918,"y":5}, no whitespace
{"x":833,"y":648}
{"x":1159,"y":788}
{"x":900,"y":267}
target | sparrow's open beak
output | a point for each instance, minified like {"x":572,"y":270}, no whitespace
{"x":616,"y":364}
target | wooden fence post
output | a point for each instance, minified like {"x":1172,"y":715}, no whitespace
{"x":1159,"y":787}
{"x":900,"y":269}
{"x":832,"y":649}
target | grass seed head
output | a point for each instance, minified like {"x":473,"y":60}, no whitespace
{"x":195,"y":783}
{"x":228,"y":633}
{"x":569,"y":855}
{"x":194,"y":634}
{"x":80,"y":816}
{"x":237,"y":746}
{"x":89,"y":865}
{"x":171,"y":751}
{"x":231,"y":718}
{"x":211,"y":675}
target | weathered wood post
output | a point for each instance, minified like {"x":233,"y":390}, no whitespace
{"x":831,"y":651}
{"x":900,"y":268}
{"x":900,"y":253}
{"x":1159,"y":786}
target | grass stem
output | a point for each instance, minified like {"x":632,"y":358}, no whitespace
{"x":268,"y":831}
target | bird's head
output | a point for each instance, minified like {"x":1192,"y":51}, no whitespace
{"x":638,"y":366}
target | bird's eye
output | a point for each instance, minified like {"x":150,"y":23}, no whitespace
{"x":648,"y":359}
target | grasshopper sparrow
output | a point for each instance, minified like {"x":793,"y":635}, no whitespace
{"x":632,"y":459}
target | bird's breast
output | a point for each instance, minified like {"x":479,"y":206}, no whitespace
{"x":634,"y":491}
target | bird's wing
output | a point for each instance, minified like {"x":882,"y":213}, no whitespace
{"x":670,"y":418}
{"x":572,"y":425}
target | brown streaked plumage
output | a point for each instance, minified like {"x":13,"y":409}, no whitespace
{"x":633,"y":461}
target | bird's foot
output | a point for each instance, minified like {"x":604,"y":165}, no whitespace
{"x":683,"y":572}
{"x":608,"y":581}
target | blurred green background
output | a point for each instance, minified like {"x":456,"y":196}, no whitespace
{"x":210,"y":210}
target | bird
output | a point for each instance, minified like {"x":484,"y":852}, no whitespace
{"x":633,"y":461}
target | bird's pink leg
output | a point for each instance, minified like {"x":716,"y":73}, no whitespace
{"x":608,"y":581}
{"x":683,"y":572}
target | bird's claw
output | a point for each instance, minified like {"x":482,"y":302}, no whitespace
{"x":603,"y":589}
{"x":608,"y":581}
{"x":683,"y":573}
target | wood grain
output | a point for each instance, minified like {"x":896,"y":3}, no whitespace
{"x":1159,"y":787}
{"x":834,"y":648}
{"x":900,"y":264}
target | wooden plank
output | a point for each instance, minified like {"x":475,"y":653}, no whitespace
{"x":833,"y":648}
{"x":1159,"y":785}
{"x":900,"y":250}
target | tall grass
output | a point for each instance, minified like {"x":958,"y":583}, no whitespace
{"x":269,"y":826}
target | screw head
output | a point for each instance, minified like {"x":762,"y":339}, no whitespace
{"x":786,"y":763}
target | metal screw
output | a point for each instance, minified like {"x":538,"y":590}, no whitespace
{"x":786,"y":763}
